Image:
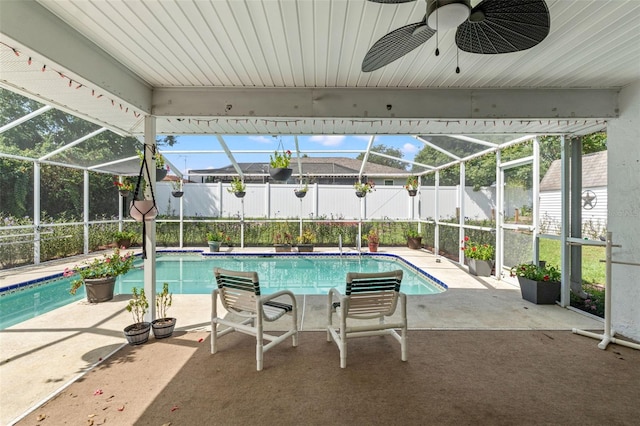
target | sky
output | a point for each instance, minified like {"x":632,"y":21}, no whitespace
{"x":261,"y":146}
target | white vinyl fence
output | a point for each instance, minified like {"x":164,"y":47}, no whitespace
{"x":278,"y":201}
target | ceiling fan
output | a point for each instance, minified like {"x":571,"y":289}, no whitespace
{"x":491,"y":27}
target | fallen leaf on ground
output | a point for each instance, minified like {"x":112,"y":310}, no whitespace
{"x":92,"y":415}
{"x":174,"y":408}
{"x":98,"y":392}
{"x":166,"y":424}
{"x":41,"y":417}
{"x":200,"y":340}
{"x":121,"y":408}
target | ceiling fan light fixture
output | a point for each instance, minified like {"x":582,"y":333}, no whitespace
{"x":447,"y":14}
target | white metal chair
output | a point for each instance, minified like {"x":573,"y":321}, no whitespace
{"x":239,"y":293}
{"x":368,"y":296}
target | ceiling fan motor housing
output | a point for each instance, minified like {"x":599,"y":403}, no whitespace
{"x":447,"y":14}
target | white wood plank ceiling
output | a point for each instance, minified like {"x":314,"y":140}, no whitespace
{"x":315,"y":44}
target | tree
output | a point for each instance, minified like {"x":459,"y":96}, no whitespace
{"x":387,"y":150}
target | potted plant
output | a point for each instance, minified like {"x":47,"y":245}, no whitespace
{"x":99,"y":275}
{"x":163,"y":326}
{"x":140,"y":208}
{"x":480,"y":257}
{"x":124,"y":239}
{"x":305,"y":241}
{"x":412,"y":185}
{"x":215,"y":238}
{"x":538,"y":284}
{"x":125,"y":188}
{"x":373,"y":240}
{"x":176,"y":186}
{"x":161,"y":168}
{"x":138,"y":332}
{"x":302,"y":189}
{"x":237,"y":187}
{"x":282,"y":240}
{"x":414,"y":239}
{"x":363,"y":188}
{"x":279,"y":165}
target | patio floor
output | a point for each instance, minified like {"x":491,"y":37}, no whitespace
{"x":41,"y":356}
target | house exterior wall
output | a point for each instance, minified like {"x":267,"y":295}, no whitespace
{"x":623,"y":138}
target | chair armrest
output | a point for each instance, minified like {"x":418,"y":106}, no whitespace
{"x":277,"y":294}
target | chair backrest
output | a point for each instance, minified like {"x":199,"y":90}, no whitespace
{"x":372,"y":295}
{"x":238,"y":290}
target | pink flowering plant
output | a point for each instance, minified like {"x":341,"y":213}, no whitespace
{"x":101,"y":267}
{"x":280,"y":160}
{"x":535,"y":272}
{"x":473,"y":250}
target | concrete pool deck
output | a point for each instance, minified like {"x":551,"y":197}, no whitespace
{"x":42,"y":355}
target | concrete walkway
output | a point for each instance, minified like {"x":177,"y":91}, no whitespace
{"x":40,"y":356}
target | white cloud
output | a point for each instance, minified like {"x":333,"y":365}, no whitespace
{"x":409,"y":148}
{"x":262,"y":139}
{"x":328,"y":140}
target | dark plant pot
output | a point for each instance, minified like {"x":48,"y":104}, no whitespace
{"x":480,"y":268}
{"x":282,"y":248}
{"x":280,"y":174}
{"x":124,"y":242}
{"x":539,"y":292}
{"x":360,"y":194}
{"x":412,"y":192}
{"x":138,"y":333}
{"x":160,"y":174}
{"x":143,"y":209}
{"x":414,"y":243}
{"x":240,"y":194}
{"x":99,"y":289}
{"x":305,"y":248}
{"x":214,"y":246}
{"x":373,"y":247}
{"x":177,"y":194}
{"x":124,"y":193}
{"x":300,"y":194}
{"x":163,"y":327}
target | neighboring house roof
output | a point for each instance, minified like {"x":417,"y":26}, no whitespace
{"x":319,"y":166}
{"x":594,"y":173}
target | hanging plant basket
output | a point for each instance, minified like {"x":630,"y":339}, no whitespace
{"x":300,"y":194}
{"x":124,"y":193}
{"x":143,"y":210}
{"x":360,"y":194}
{"x":177,"y":194}
{"x":240,"y":194}
{"x":280,"y":174}
{"x":412,"y":192}
{"x":160,"y":174}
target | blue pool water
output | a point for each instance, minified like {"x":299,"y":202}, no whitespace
{"x":193,"y":274}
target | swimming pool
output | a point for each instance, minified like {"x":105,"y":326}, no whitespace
{"x":192,"y":273}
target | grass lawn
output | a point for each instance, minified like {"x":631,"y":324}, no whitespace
{"x":593,"y":271}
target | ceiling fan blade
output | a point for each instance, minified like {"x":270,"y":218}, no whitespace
{"x":391,"y":1}
{"x":396,"y":44}
{"x":499,"y":26}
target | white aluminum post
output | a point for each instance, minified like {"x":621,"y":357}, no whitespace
{"x":461,"y":194}
{"x":120,"y":207}
{"x":86,"y":211}
{"x":536,"y":199}
{"x":565,"y":249}
{"x":150,"y":240}
{"x":36,"y":212}
{"x":436,"y":207}
{"x":498,"y":217}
